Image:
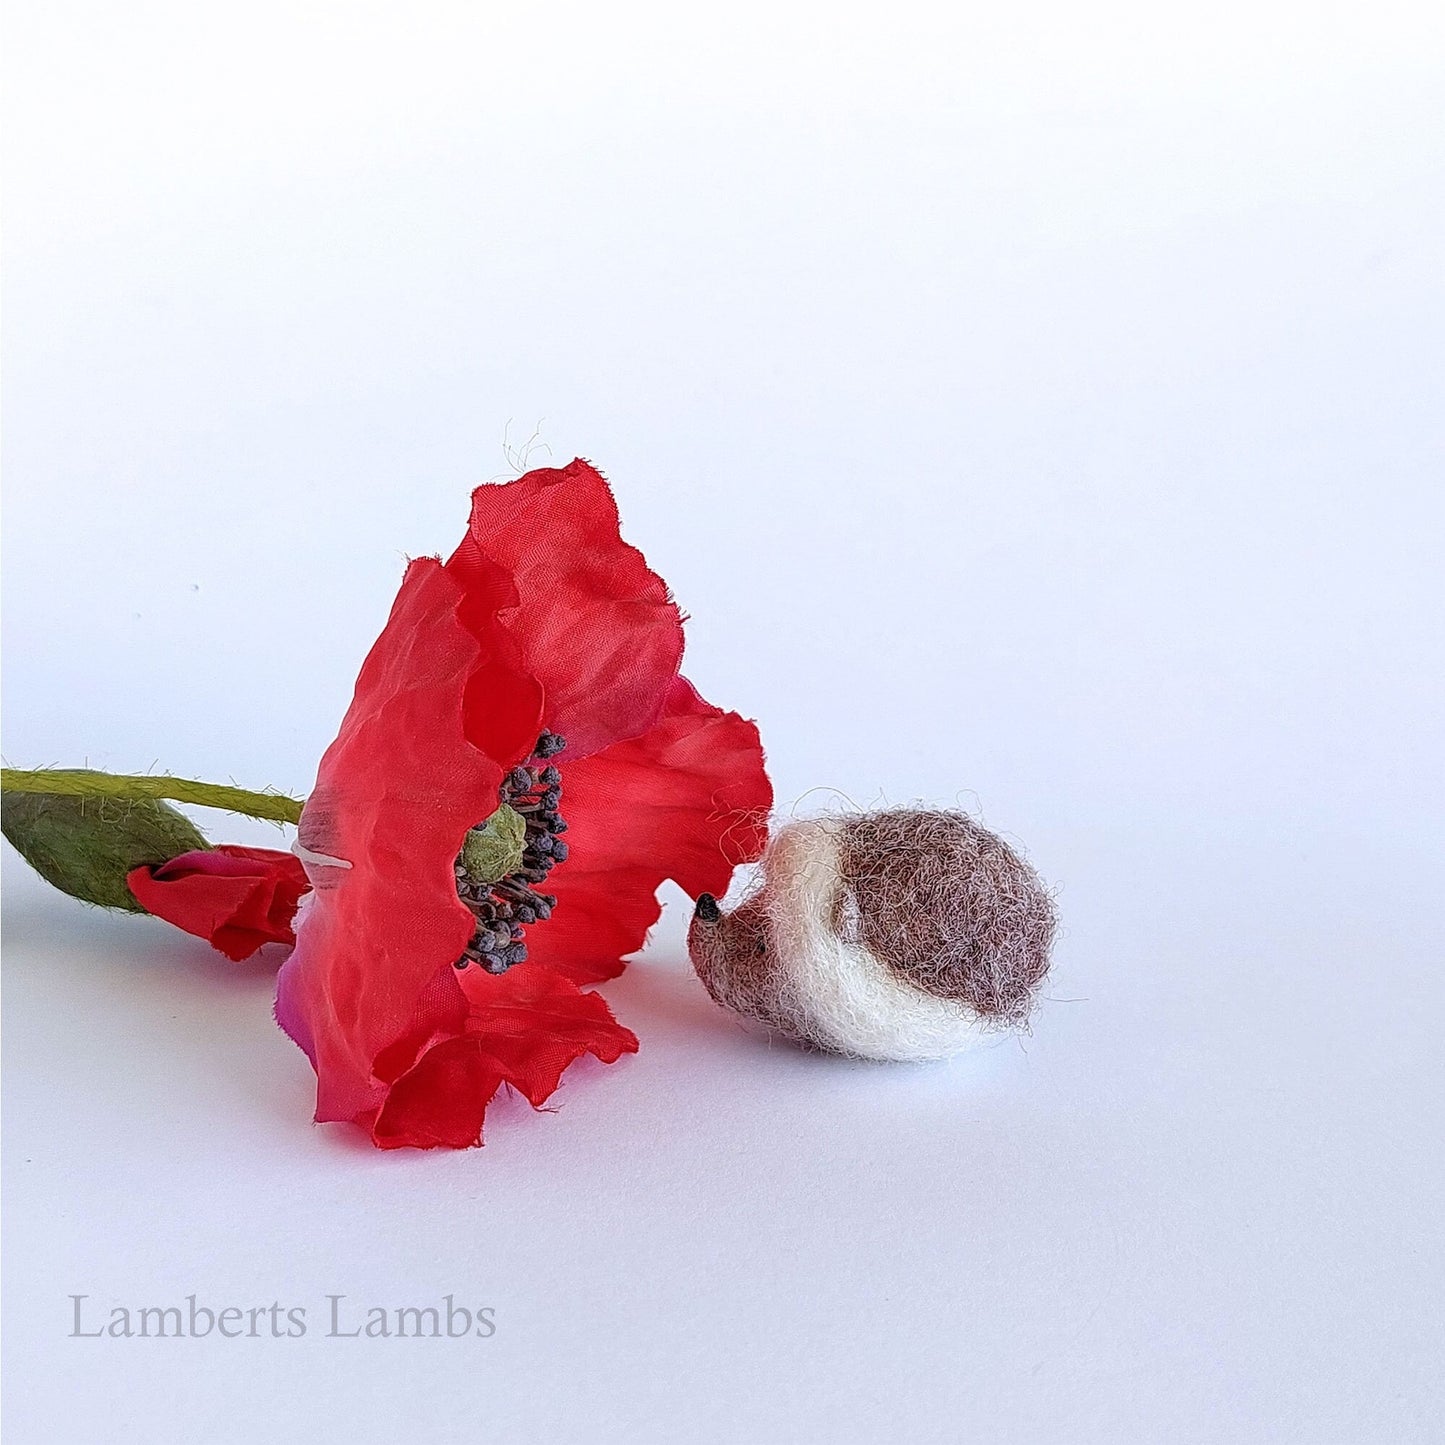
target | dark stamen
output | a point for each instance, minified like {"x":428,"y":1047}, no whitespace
{"x":503,"y":908}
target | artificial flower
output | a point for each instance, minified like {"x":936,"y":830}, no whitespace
{"x":539,"y":664}
{"x":236,"y":898}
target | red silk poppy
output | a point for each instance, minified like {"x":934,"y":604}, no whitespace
{"x":236,"y":898}
{"x":543,"y":620}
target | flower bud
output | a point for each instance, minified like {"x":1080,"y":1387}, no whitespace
{"x":87,"y":846}
{"x":903,"y":934}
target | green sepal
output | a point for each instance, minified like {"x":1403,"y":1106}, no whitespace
{"x":86,"y":846}
{"x":495,"y":849}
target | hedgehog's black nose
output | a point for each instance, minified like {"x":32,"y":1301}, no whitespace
{"x":707,"y":908}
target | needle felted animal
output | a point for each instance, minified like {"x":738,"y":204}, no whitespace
{"x":902,"y":934}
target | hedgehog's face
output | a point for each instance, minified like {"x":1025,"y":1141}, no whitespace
{"x":732,"y":953}
{"x":756,"y":959}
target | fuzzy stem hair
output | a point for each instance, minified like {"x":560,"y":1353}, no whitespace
{"x":87,"y":783}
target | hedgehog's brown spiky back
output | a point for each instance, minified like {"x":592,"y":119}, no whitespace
{"x":949,"y":907}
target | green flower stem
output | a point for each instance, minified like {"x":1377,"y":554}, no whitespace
{"x":84,"y":783}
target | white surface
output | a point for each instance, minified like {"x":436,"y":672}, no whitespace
{"x":1040,"y":409}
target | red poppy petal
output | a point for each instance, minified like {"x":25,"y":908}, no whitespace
{"x":526,"y":1027}
{"x":534,"y":1023}
{"x":236,"y":898}
{"x":592,"y":622}
{"x":394,"y":797}
{"x":688,"y":801}
{"x":441,"y":1101}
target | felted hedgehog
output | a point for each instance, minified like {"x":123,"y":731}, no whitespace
{"x":904,"y":934}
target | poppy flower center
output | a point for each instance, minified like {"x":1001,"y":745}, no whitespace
{"x":503,"y":907}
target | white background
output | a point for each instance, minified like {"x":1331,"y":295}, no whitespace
{"x":1037,"y":407}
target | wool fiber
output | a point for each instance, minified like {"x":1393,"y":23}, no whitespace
{"x":903,"y":934}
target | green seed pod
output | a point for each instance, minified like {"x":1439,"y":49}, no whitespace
{"x":495,"y":849}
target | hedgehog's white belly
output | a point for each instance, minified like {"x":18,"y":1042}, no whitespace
{"x":836,"y":993}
